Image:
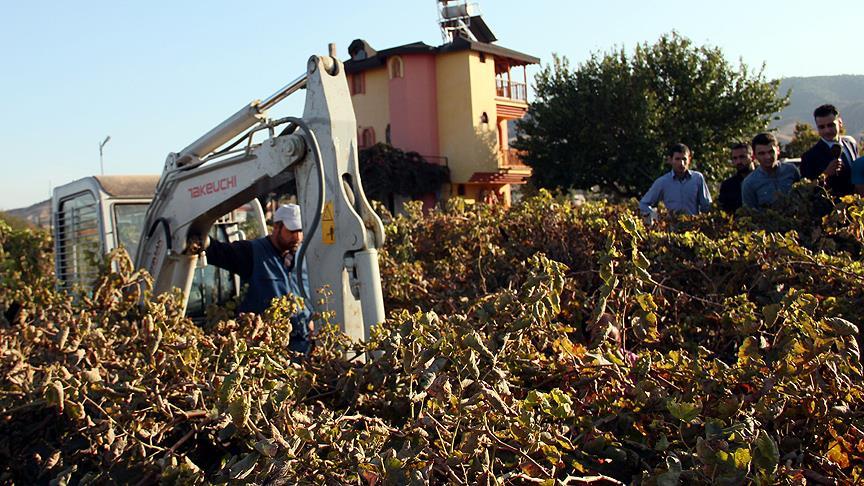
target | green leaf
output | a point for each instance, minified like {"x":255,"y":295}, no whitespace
{"x":683,"y":411}
{"x":672,"y":476}
{"x":475,"y":342}
{"x":748,"y":352}
{"x":267,"y":447}
{"x":54,"y":395}
{"x":767,"y":454}
{"x":728,"y":408}
{"x":840,"y":327}
{"x":239,"y":410}
{"x":244,"y":467}
{"x":563,"y":407}
{"x":662,"y":443}
{"x":742,"y":458}
{"x":646,"y":302}
{"x":534,"y":398}
{"x":229,"y":383}
{"x":770,"y":312}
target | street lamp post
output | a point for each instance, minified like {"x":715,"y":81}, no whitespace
{"x":102,"y":144}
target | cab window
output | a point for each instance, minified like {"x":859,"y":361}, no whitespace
{"x":211,"y":285}
{"x":128,"y":223}
{"x":78,"y":241}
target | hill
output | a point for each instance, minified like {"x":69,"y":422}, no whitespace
{"x":38,"y":214}
{"x":846,"y":92}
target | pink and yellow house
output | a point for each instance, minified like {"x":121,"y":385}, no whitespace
{"x":451,"y":104}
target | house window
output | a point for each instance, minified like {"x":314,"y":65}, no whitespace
{"x":367,"y":137}
{"x":358,"y":83}
{"x":483,"y":57}
{"x":395,"y":67}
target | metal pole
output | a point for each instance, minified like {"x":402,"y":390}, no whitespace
{"x":102,"y":144}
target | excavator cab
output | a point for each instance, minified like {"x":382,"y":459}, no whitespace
{"x":94,"y":215}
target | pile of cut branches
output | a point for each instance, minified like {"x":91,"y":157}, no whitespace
{"x":553,"y":342}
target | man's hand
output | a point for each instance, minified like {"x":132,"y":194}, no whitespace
{"x":650,"y":217}
{"x":834,"y":168}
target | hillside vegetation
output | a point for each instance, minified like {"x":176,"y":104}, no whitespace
{"x":553,"y":341}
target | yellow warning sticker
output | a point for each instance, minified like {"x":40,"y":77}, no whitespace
{"x":328,"y":224}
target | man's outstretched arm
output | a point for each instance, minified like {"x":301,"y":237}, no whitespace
{"x":236,"y":257}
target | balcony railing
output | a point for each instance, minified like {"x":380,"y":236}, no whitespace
{"x":511,"y":158}
{"x":511,"y":90}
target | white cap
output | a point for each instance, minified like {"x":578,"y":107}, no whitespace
{"x":289,"y":215}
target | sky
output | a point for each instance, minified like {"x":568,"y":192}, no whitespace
{"x":156,"y":75}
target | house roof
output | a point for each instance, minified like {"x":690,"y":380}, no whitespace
{"x":364,"y":57}
{"x":461,"y":44}
{"x":369,"y":58}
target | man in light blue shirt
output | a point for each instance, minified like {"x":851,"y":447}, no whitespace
{"x":682,"y":190}
{"x":771,"y":178}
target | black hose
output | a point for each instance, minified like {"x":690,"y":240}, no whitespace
{"x":251,"y":132}
{"x":165,"y":227}
{"x":319,"y":208}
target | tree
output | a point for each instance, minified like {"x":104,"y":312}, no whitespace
{"x":609,"y":121}
{"x":15,"y":222}
{"x":803,"y":138}
{"x":386,"y":170}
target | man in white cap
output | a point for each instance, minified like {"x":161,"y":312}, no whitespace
{"x":266,"y":265}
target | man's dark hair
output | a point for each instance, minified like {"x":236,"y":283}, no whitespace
{"x":678,"y":148}
{"x":825,"y":110}
{"x":764,"y":139}
{"x":741,"y":145}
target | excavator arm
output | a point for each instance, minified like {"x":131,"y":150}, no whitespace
{"x":318,"y":151}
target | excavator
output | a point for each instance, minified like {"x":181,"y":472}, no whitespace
{"x":211,"y":189}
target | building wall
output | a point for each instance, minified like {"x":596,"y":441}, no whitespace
{"x":414,"y":106}
{"x":372,"y":108}
{"x":483,"y":102}
{"x":464,"y":140}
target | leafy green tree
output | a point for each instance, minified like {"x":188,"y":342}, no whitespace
{"x":803,"y":138}
{"x":608,"y":122}
{"x":388,"y":170}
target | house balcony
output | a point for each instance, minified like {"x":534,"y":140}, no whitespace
{"x":511,"y":90}
{"x":511,"y":159}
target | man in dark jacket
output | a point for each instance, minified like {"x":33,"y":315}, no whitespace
{"x":266,"y":265}
{"x":829,"y":161}
{"x":730,"y":190}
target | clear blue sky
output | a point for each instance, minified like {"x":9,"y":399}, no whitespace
{"x":156,"y":75}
